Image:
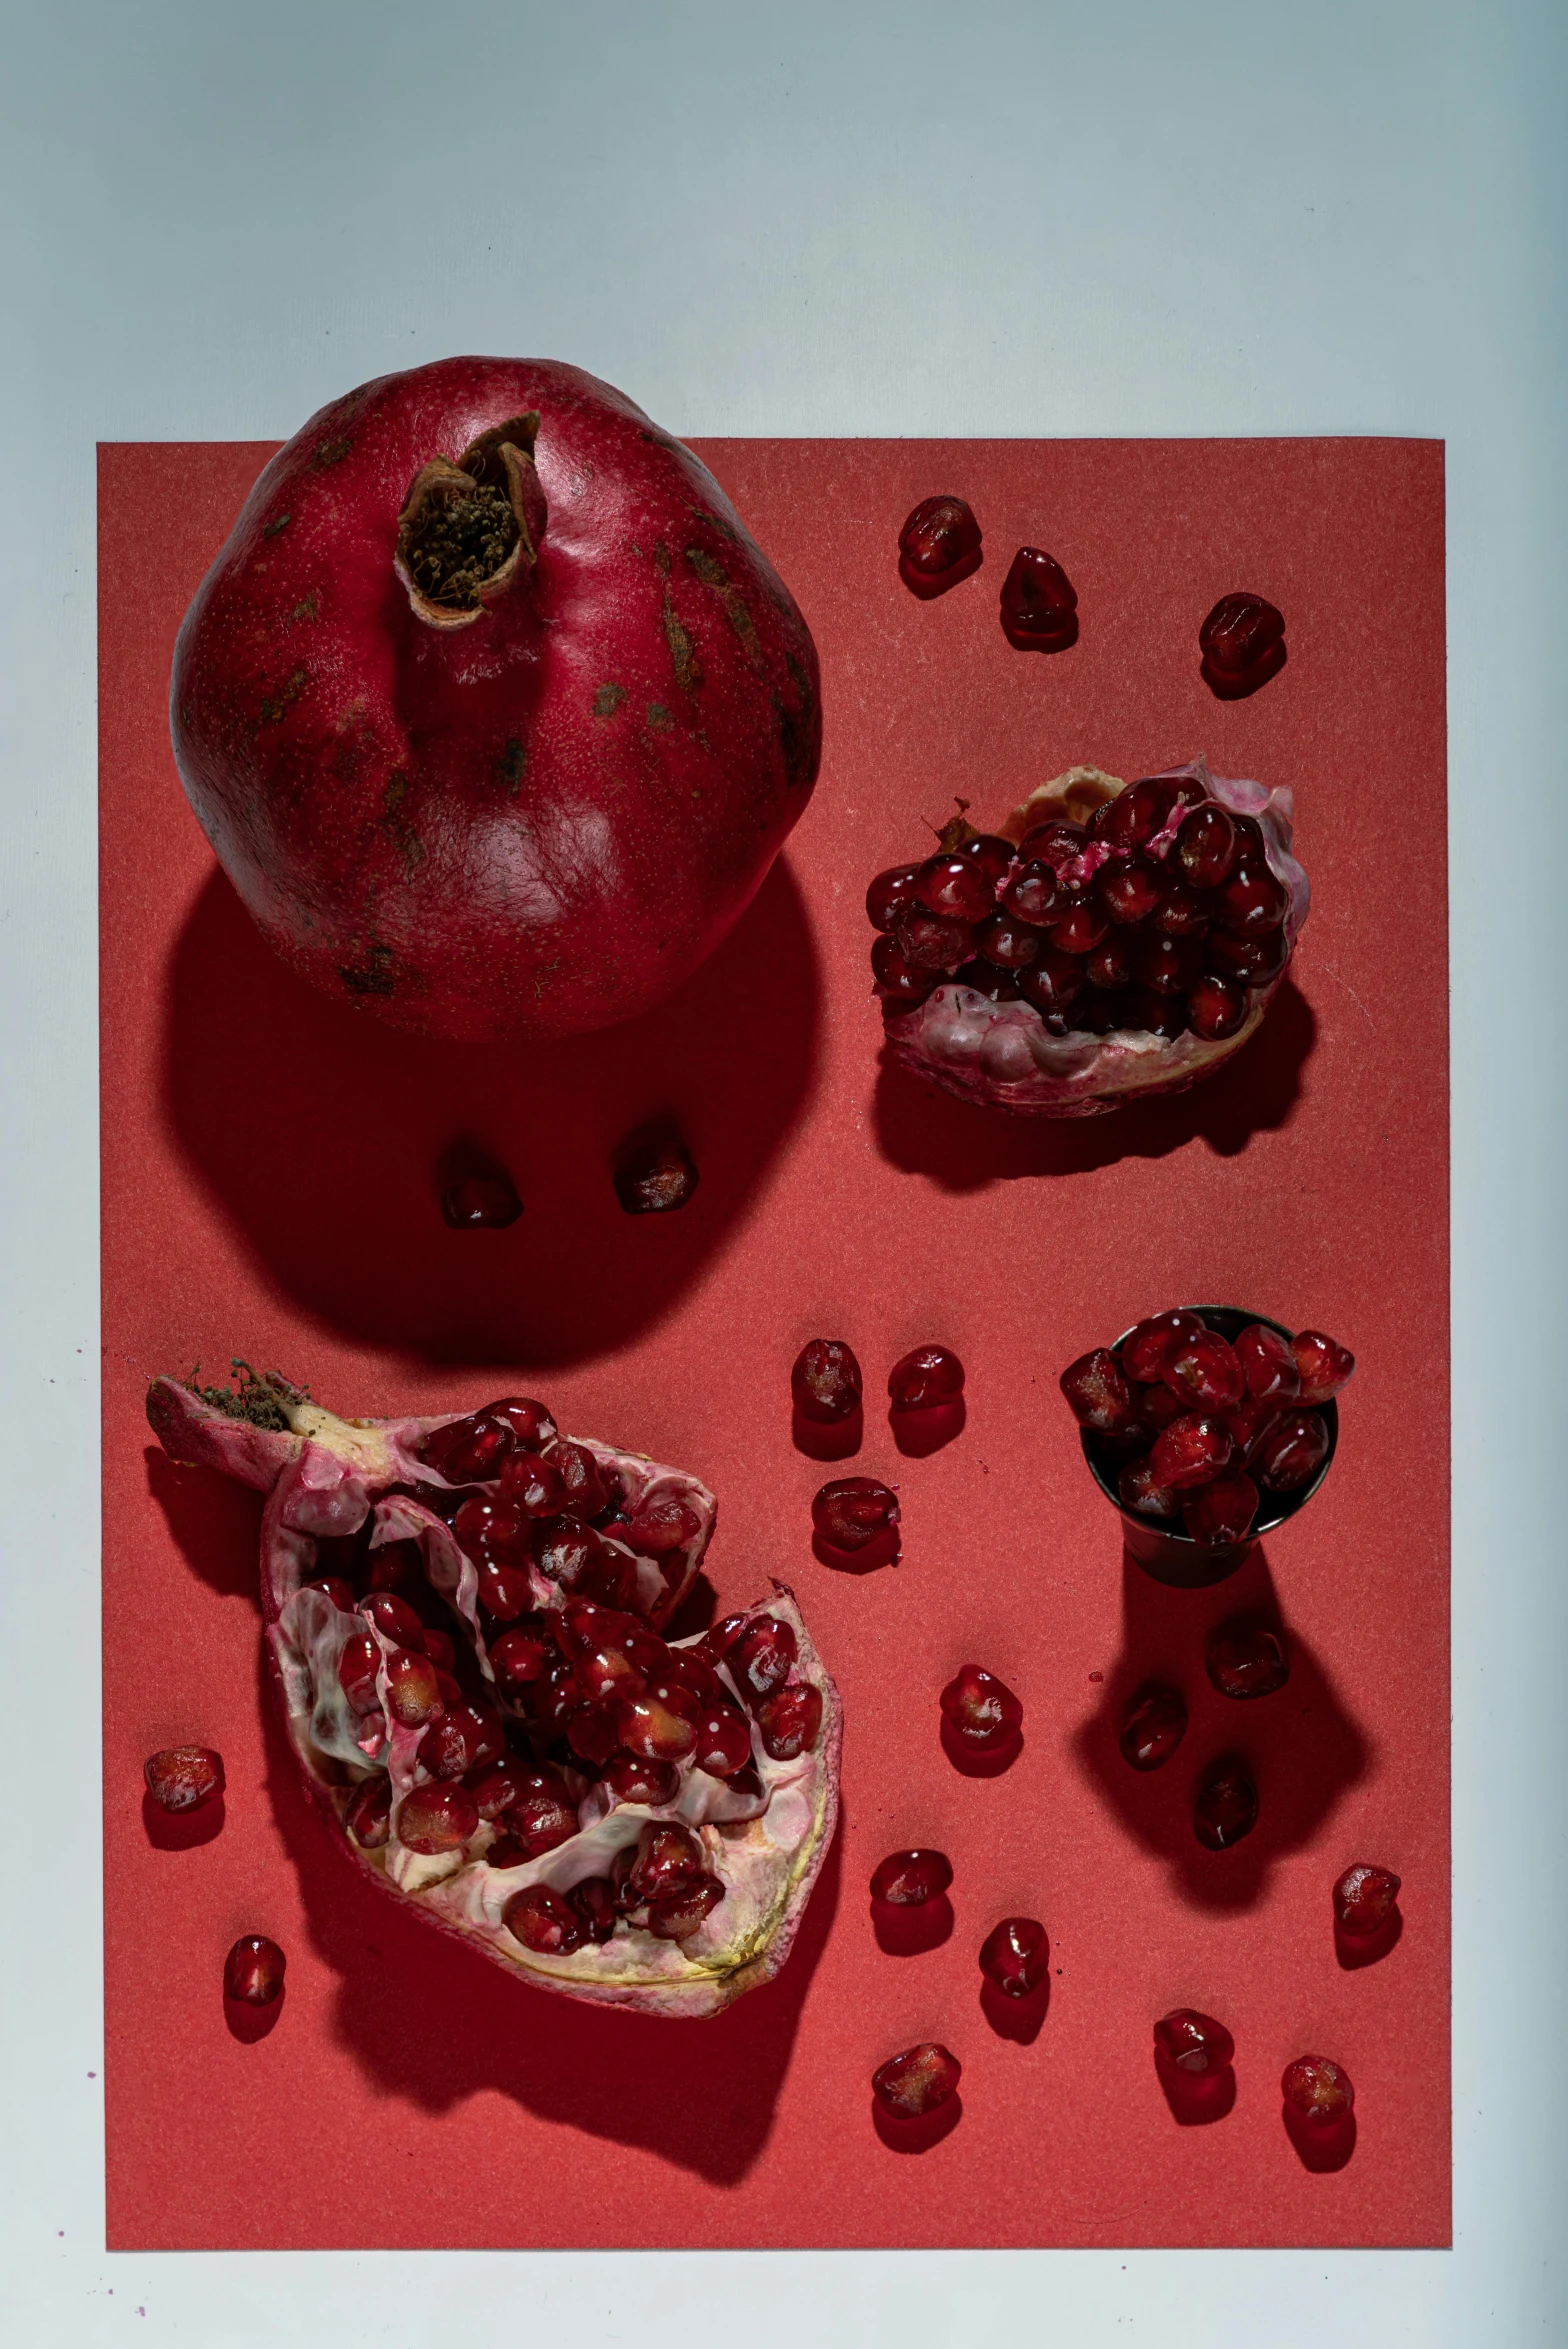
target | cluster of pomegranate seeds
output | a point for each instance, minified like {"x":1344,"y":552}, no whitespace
{"x":916,"y":2080}
{"x":1039,"y":604}
{"x":1318,"y":2089}
{"x":1194,"y":2043}
{"x":654,"y":1172}
{"x":854,"y":1511}
{"x":980,"y":1710}
{"x":938,"y":546}
{"x":1242,"y":644}
{"x":183,"y":1777}
{"x":1191,"y":1426}
{"x":1364,"y":1899}
{"x":825,"y":1382}
{"x":480,"y":1202}
{"x":1015,"y":1957}
{"x":1162,"y":915}
{"x":909,"y":1879}
{"x":253,"y":1970}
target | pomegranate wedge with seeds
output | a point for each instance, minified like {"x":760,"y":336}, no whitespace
{"x":1111,"y":940}
{"x":493,"y":1714}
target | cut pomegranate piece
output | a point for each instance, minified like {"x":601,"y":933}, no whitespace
{"x":253,"y":1970}
{"x":1318,"y":2089}
{"x":938,"y":546}
{"x":916,"y":2080}
{"x":1015,"y":1957}
{"x":1246,"y":1660}
{"x":1153,"y":1729}
{"x":908,"y":1879}
{"x":1148,"y":1348}
{"x":654,"y":1173}
{"x":1039,"y":603}
{"x":980,"y":1709}
{"x":790,"y":1721}
{"x":1204,"y":1371}
{"x":924,"y":1379}
{"x":1191,"y":1451}
{"x":183,"y":1777}
{"x":1364,"y":1898}
{"x":1226,"y":1806}
{"x":544,"y":1921}
{"x":825,"y":1382}
{"x":1291,"y":1452}
{"x":480,"y":1203}
{"x":854,"y":1510}
{"x":1193,"y":2042}
{"x":1322,"y":1366}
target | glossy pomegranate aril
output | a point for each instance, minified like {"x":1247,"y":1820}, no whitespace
{"x":1191,"y":1451}
{"x":530,"y":1422}
{"x":357,"y":1668}
{"x":654,"y":1728}
{"x":1222,"y":1511}
{"x":909,"y":1879}
{"x":1039,"y":603}
{"x":1240,"y":633}
{"x":563,"y":1549}
{"x":1153,"y":1729}
{"x":333,"y":1587}
{"x":654,"y":1173}
{"x":1170,"y":966}
{"x":593,"y":1899}
{"x":1292,"y":1452}
{"x":790,"y":1721}
{"x":931,"y":942}
{"x":1250,"y":962}
{"x":1155,"y":1014}
{"x":916,"y":2080}
{"x":676,"y":1916}
{"x":1193,"y":2042}
{"x":631,"y":1779}
{"x":1159,"y":1405}
{"x":480,"y":1203}
{"x":1080,"y":929}
{"x":899,"y":981}
{"x":723,"y":1635}
{"x":368,"y":1815}
{"x":981,"y":1710}
{"x":488,"y":1528}
{"x":1206,"y":846}
{"x":460,"y":1738}
{"x":1015,"y":1957}
{"x":1363,"y":1899}
{"x":398,"y":1567}
{"x":852,"y":1511}
{"x":395,"y":1619}
{"x":472,"y":1450}
{"x":1034,"y":893}
{"x":1226,"y":1806}
{"x":724,"y":1740}
{"x":669,"y":1857}
{"x":532,"y":1485}
{"x":1323,"y":1367}
{"x":891,"y":894}
{"x":1251,"y":901}
{"x":1008,"y":941}
{"x":990,"y":852}
{"x":660,"y":1527}
{"x":1138,"y":1489}
{"x":437,"y":1818}
{"x":1318,"y":2089}
{"x":413,"y":1692}
{"x":253,"y":1970}
{"x":760,"y":1659}
{"x":1129,"y":889}
{"x":606,"y":1675}
{"x":1107,"y":965}
{"x":825,"y":1383}
{"x":183,"y":1777}
{"x":1181,"y":912}
{"x":1053,"y":982}
{"x":939,"y":544}
{"x":1246,"y":1660}
{"x":924,"y":1379}
{"x":496,"y":1786}
{"x":1146,"y":1350}
{"x":1204,"y":1371}
{"x":587,"y":1492}
{"x":955,"y":887}
{"x":1267,"y":1365}
{"x":543,"y":1816}
{"x":518,"y":1658}
{"x":544,"y":1921}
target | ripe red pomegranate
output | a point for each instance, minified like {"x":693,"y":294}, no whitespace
{"x":493,"y":712}
{"x":482,"y":1705}
{"x":1110,"y":940}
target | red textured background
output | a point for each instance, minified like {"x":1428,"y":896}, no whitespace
{"x":268,"y":1191}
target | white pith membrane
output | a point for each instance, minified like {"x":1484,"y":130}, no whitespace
{"x":324,"y":1477}
{"x":1003,"y":1054}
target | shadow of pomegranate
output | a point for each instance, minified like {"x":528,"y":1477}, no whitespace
{"x":248,"y":2023}
{"x":827,"y":1440}
{"x":917,"y":2136}
{"x":1195,"y":2099}
{"x":884,"y":1549}
{"x":962,"y":1147}
{"x":1320,"y":2146}
{"x":1300,"y":1746}
{"x":1356,"y":1950}
{"x":910,"y":1932}
{"x":1018,"y":2019}
{"x":920,"y":1433}
{"x":182,"y":1830}
{"x":324,"y":1135}
{"x":216,"y":1523}
{"x":970,"y":1764}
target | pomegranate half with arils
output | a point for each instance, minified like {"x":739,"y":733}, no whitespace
{"x":1110,"y":941}
{"x":493,"y":712}
{"x":462,"y":1622}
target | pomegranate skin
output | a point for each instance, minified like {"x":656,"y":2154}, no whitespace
{"x":535,"y":816}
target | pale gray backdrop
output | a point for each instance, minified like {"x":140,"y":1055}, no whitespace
{"x":851,"y":218}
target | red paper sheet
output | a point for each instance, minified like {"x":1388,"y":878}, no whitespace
{"x":268,"y":1191}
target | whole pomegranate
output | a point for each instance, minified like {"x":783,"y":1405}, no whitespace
{"x":493,"y":712}
{"x":1111,"y":940}
{"x":461,"y":1622}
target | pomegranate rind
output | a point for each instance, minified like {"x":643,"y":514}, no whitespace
{"x":1000,"y":1054}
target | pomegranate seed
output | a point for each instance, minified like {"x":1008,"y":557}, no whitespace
{"x":852,"y":1511}
{"x":1318,"y":2088}
{"x":1156,"y":1015}
{"x":1109,"y":965}
{"x":1252,"y":900}
{"x":1153,"y":1729}
{"x":531,"y":1486}
{"x":724,"y":1740}
{"x":395,"y":1619}
{"x":939,"y":544}
{"x":1080,"y":929}
{"x":1053,"y":982}
{"x":544,"y":1921}
{"x":357,"y":1667}
{"x":1204,"y":1371}
{"x":899,"y":980}
{"x":1191,"y":1451}
{"x":692,"y":1672}
{"x":825,"y":1381}
{"x":997,"y":986}
{"x":1061,"y":843}
{"x":1033,"y":893}
{"x":1251,"y":962}
{"x":676,"y":1916}
{"x":1194,"y":2043}
{"x":183,"y":1777}
{"x":1129,"y":889}
{"x":924,"y":1379}
{"x":1363,"y":1898}
{"x":932,"y":942}
{"x":563,"y":1549}
{"x":1246,"y":1660}
{"x":1290,"y":1454}
{"x":669,"y":1857}
{"x":439,"y":1648}
{"x":460,"y":1739}
{"x":981,"y":1710}
{"x":505,"y":1591}
{"x":437,"y":1818}
{"x":1226,"y":1807}
{"x":1137,"y":1490}
{"x":544,"y":1816}
{"x":1039,"y":603}
{"x":632,"y":1780}
{"x":790,"y":1721}
{"x":1147,"y":1350}
{"x":1170,"y":966}
{"x":1181,"y":912}
{"x":916,"y":2080}
{"x":530,"y":1422}
{"x":487,"y":1528}
{"x":908,"y":1879}
{"x":396,"y":1566}
{"x":253,"y":1970}
{"x":759,"y":1660}
{"x":990,"y":851}
{"x":1223,"y":1511}
{"x":413,"y":1692}
{"x":468,"y":1450}
{"x":593,"y":1899}
{"x":1150,"y":810}
{"x":556,"y":1698}
{"x":1240,"y":633}
{"x":480,"y":1202}
{"x":1097,"y":1391}
{"x":1323,"y":1367}
{"x":1216,"y":1008}
{"x":592,"y":1735}
{"x":654,"y":1173}
{"x":496,"y":1786}
{"x":1015,"y":1957}
{"x":890,"y":895}
{"x":1206,"y":846}
{"x":717,"y":1642}
{"x":333,"y":1587}
{"x":607,"y":1676}
{"x":955,"y":887}
{"x":1159,"y":1405}
{"x":651,"y":1727}
{"x":1267,"y":1365}
{"x":1008,"y":941}
{"x":661,"y":1527}
{"x":518,"y":1658}
{"x":368,"y":1816}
